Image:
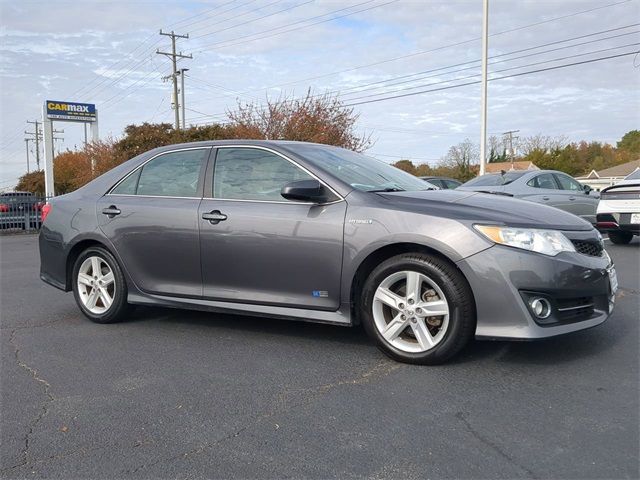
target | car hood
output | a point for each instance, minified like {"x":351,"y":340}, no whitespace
{"x":485,"y":207}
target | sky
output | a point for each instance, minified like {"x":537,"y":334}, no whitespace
{"x":103,"y":52}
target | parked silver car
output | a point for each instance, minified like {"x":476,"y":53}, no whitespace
{"x":548,"y":187}
{"x":318,"y":233}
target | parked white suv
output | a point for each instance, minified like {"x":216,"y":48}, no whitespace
{"x":618,"y":212}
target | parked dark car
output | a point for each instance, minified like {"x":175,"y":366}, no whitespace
{"x":547,"y":187}
{"x":318,"y":233}
{"x":445,"y":183}
{"x":19,"y":210}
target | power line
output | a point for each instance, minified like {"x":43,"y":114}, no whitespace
{"x":253,"y":19}
{"x":492,"y":57}
{"x":497,"y":71}
{"x":493,"y":79}
{"x":431,"y":50}
{"x":216,"y":45}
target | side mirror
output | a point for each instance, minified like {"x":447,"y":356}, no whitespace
{"x":587,"y":189}
{"x":305,"y":190}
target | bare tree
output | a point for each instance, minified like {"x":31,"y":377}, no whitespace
{"x":541,"y":143}
{"x":314,"y":118}
{"x":460,"y":157}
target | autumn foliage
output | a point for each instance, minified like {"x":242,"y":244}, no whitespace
{"x":314,"y":118}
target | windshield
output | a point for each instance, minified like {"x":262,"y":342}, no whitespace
{"x":634,"y":176}
{"x":494,"y":179}
{"x":361,"y":172}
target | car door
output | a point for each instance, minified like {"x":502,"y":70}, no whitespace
{"x":574,"y":199}
{"x":258,"y":247}
{"x":541,"y":188}
{"x":151,"y":218}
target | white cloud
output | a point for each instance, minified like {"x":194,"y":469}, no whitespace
{"x":79,"y":51}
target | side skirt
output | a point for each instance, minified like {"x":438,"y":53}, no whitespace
{"x":340,"y":317}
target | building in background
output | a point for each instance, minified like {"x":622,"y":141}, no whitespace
{"x":608,"y":176}
{"x":497,"y":167}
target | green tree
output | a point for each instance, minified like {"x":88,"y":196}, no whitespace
{"x":630,"y":142}
{"x":406,"y":165}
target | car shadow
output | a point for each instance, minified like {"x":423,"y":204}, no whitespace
{"x":563,"y":349}
{"x":254,"y":324}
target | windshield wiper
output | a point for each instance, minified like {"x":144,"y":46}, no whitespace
{"x":386,"y":189}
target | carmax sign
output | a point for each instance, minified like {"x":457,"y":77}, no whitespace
{"x":80,"y":112}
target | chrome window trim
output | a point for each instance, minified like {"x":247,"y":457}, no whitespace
{"x":143,"y":164}
{"x":296,"y":164}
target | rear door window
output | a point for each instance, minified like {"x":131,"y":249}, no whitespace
{"x":173,"y":174}
{"x":544,"y":180}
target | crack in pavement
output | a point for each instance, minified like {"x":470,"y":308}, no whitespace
{"x":45,"y":406}
{"x":380,"y":370}
{"x":461,"y":416}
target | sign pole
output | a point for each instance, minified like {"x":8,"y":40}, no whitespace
{"x":47,"y":127}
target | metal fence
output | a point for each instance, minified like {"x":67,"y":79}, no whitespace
{"x":20,"y":213}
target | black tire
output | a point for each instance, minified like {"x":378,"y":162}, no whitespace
{"x":462,"y":314}
{"x":119,"y":308}
{"x":620,"y":238}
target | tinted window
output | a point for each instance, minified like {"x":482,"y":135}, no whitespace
{"x":128,"y":185}
{"x":253,"y":174}
{"x":451,"y":184}
{"x":494,"y":179}
{"x":544,"y":180}
{"x":172,"y":174}
{"x":358,"y":170}
{"x":568,"y":183}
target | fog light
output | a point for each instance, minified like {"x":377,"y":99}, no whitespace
{"x":540,"y":307}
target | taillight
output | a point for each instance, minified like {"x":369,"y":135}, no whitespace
{"x":4,"y":207}
{"x":46,"y":208}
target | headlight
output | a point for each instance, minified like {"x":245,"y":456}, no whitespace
{"x":547,"y":242}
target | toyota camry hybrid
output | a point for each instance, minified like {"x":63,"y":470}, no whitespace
{"x":317,"y":233}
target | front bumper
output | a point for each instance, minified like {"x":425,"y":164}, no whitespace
{"x":578,"y":287}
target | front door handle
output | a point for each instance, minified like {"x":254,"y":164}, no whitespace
{"x":545,"y":198}
{"x":572,"y":198}
{"x":214,"y":217}
{"x":111,"y":211}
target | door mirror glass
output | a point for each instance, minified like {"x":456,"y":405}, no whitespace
{"x":587,"y":189}
{"x":305,"y":191}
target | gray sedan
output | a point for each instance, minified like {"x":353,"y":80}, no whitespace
{"x":317,"y":233}
{"x":548,"y":187}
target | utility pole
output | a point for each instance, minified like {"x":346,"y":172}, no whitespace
{"x":184,"y":115}
{"x":483,"y":119}
{"x":509,"y":138}
{"x":26,"y":144}
{"x":174,"y":60}
{"x":36,"y":139}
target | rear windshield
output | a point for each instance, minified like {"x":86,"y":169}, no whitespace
{"x":494,"y":179}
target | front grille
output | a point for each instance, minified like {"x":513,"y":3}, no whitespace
{"x":593,"y":249}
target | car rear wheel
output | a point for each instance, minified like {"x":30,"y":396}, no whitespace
{"x":99,"y":286}
{"x":620,"y":238}
{"x":418,"y":308}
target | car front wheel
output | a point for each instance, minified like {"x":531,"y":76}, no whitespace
{"x":620,"y":238}
{"x":99,"y":286}
{"x":418,"y":308}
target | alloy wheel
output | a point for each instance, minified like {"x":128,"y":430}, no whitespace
{"x":410,"y":311}
{"x":96,"y":285}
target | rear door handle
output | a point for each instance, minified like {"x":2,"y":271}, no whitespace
{"x":214,"y":217}
{"x":572,"y":198}
{"x":545,"y":198}
{"x":111,"y":211}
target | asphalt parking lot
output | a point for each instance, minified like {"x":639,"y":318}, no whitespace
{"x":177,"y":394}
